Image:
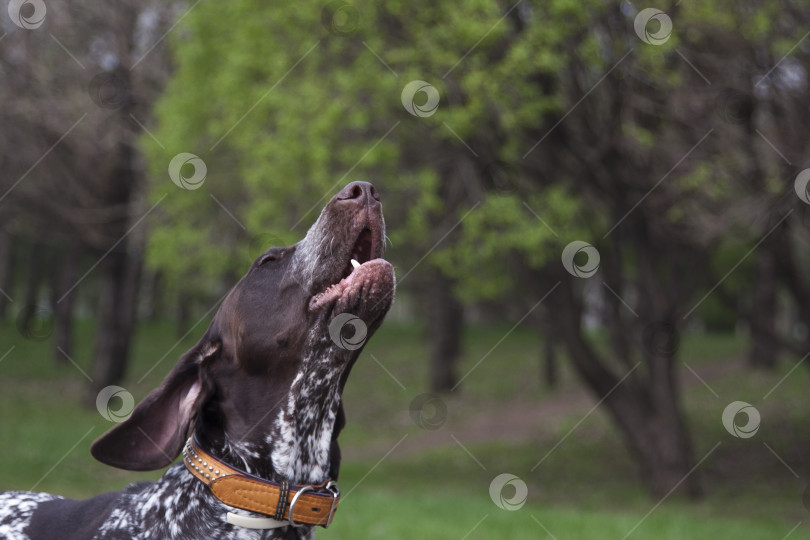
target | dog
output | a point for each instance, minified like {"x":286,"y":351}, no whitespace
{"x":255,"y":406}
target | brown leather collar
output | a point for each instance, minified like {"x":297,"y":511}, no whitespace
{"x":299,"y":504}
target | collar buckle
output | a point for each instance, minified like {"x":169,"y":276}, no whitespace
{"x":332,"y":488}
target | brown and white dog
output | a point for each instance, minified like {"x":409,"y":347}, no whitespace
{"x":261,"y":392}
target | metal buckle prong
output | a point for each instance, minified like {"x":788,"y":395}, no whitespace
{"x":335,"y":494}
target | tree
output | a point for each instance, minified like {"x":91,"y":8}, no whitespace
{"x":638,"y":154}
{"x":556,"y":122}
{"x":288,"y":131}
{"x":76,"y":92}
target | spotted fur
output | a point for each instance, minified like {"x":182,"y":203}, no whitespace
{"x":16,"y":509}
{"x":301,"y":437}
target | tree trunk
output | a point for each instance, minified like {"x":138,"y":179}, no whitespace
{"x":30,"y":313}
{"x":6,"y":265}
{"x":117,"y":313}
{"x":33,"y":272}
{"x":648,"y":415}
{"x":120,"y":270}
{"x":183,"y":314}
{"x":796,"y":285}
{"x":550,"y":367}
{"x":152,"y":292}
{"x":612,"y":319}
{"x":764,"y":347}
{"x":111,"y":341}
{"x":66,"y":273}
{"x":654,"y":431}
{"x":445,"y":319}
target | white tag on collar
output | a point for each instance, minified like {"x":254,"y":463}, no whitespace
{"x":249,"y":522}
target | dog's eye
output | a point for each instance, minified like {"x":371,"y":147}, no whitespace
{"x":267,"y":258}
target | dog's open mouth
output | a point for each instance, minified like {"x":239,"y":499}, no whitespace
{"x":361,"y":252}
{"x":365,"y":277}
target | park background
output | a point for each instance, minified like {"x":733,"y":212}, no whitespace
{"x":598,"y":213}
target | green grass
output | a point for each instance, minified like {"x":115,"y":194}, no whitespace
{"x":431,"y":487}
{"x":393,"y":514}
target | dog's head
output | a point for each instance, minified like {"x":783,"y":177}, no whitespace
{"x":300,"y":316}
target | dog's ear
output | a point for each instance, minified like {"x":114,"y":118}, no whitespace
{"x":155,"y":432}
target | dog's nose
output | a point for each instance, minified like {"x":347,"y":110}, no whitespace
{"x":359,"y":192}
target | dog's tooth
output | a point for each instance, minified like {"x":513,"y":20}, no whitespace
{"x":355,"y":263}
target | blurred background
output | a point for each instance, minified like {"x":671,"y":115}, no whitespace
{"x":598,"y":213}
